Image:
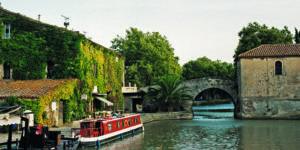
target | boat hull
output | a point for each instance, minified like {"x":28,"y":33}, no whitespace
{"x":93,"y":141}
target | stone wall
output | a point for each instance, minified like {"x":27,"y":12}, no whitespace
{"x":262,"y":94}
{"x":148,"y":117}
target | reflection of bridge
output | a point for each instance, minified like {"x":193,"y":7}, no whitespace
{"x":199,"y":85}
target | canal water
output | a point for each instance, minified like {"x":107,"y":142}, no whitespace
{"x":213,"y":127}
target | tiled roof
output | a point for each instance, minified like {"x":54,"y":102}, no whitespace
{"x":31,"y":89}
{"x":273,"y":50}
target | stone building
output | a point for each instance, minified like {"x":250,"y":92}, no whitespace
{"x":31,"y":50}
{"x":269,"y":82}
{"x":38,"y":90}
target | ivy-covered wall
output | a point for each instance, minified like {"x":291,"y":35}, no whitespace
{"x":34,"y":44}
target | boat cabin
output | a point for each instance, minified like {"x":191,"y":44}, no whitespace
{"x":106,"y":125}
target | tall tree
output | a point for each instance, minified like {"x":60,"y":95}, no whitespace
{"x":255,"y":35}
{"x":148,"y":56}
{"x":297,"y":36}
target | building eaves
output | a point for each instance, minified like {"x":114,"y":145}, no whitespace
{"x":273,"y":50}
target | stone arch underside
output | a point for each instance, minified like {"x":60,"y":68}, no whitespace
{"x":210,"y":93}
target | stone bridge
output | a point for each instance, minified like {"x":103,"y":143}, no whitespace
{"x":201,"y":84}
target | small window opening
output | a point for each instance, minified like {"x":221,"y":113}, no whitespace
{"x":109,"y":127}
{"x":278,"y":68}
{"x":123,"y":124}
{"x":50,"y":66}
{"x":7,"y":31}
{"x":6,"y":68}
{"x":129,"y":122}
{"x":135,"y":120}
{"x":118,"y":124}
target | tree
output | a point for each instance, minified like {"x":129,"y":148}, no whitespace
{"x":169,"y":92}
{"x":297,"y":36}
{"x":148,"y":56}
{"x":255,"y":35}
{"x":204,"y":67}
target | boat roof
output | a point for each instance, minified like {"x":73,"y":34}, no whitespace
{"x":108,"y":119}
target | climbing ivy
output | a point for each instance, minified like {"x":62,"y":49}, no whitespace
{"x":33,"y":44}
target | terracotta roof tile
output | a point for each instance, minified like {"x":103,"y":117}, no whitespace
{"x":31,"y":89}
{"x":273,"y":50}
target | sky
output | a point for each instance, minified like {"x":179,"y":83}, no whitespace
{"x":194,"y":28}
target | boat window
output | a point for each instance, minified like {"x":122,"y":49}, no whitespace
{"x":135,"y":120}
{"x":123,"y":124}
{"x":118,"y":124}
{"x":109,"y":127}
{"x":129,"y":122}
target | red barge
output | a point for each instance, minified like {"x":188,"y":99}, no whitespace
{"x":103,"y":130}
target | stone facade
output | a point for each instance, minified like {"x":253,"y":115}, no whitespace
{"x":264,"y":95}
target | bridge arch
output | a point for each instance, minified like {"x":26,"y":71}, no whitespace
{"x":212,"y":93}
{"x":199,"y":85}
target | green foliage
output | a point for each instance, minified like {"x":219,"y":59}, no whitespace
{"x":34,"y":44}
{"x":168,"y":93}
{"x":12,"y":100}
{"x":22,"y":53}
{"x":148,"y":56}
{"x":33,"y":105}
{"x":297,"y":36}
{"x":68,"y":111}
{"x":255,"y":35}
{"x":44,"y":115}
{"x":204,"y":67}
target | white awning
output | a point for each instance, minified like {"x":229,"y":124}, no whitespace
{"x":12,"y":120}
{"x":104,"y":100}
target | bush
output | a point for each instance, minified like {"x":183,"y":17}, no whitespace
{"x":10,"y":101}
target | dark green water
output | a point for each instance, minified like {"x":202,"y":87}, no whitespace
{"x":214,"y":133}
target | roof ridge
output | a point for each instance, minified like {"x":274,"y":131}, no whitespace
{"x":273,"y":50}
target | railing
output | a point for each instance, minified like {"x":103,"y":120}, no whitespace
{"x":129,"y":90}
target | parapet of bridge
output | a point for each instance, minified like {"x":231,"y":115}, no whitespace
{"x":129,"y":89}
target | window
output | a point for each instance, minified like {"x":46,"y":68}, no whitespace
{"x":6,"y":69}
{"x":109,"y":127}
{"x":95,"y":70}
{"x":129,"y":122}
{"x":135,"y":120}
{"x":123,"y":124}
{"x":50,"y":66}
{"x":278,"y":68}
{"x":118,"y":124}
{"x":6,"y":31}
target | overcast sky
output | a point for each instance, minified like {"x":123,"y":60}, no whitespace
{"x":195,"y":28}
